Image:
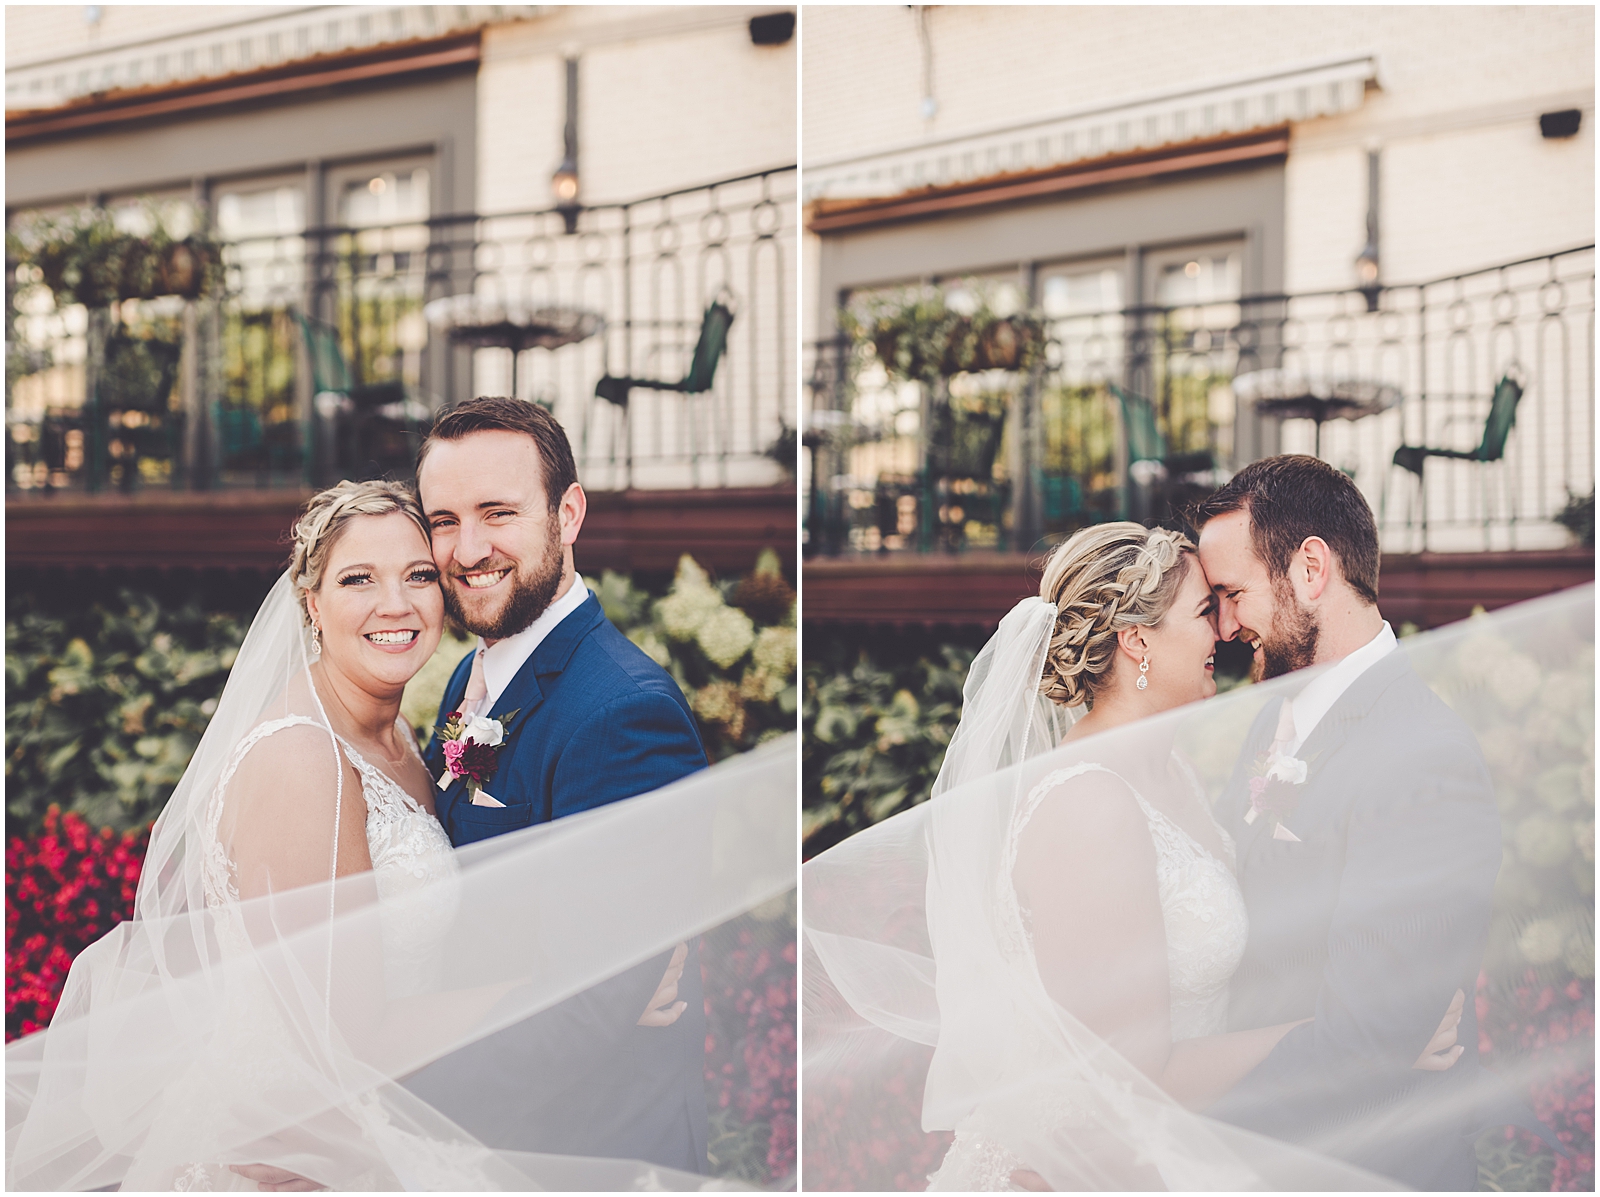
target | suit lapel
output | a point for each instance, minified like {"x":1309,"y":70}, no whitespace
{"x":1322,"y":746}
{"x":434,"y":757}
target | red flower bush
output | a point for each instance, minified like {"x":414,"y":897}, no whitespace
{"x":65,"y":889}
{"x":751,"y":1006}
{"x":1551,"y":1027}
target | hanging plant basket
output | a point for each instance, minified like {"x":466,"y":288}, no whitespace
{"x":83,"y":257}
{"x":916,"y":336}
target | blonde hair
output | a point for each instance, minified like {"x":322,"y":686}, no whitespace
{"x":1101,"y":580}
{"x":324,"y":518}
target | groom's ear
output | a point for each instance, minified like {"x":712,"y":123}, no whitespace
{"x":573,"y":507}
{"x":1312,"y":568}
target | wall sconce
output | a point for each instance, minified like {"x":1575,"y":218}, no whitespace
{"x":564,"y":183}
{"x":1367,"y":260}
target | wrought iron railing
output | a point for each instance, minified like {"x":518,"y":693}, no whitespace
{"x":1016,"y":461}
{"x":317,"y":361}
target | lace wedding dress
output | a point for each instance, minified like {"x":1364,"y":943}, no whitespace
{"x":1204,"y":915}
{"x":410,"y":854}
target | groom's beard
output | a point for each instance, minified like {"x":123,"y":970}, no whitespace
{"x":1292,"y":643}
{"x":530,"y":597}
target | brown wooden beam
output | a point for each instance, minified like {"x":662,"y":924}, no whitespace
{"x":122,"y":105}
{"x":829,"y":216}
{"x":1427,"y":589}
{"x":631,"y":531}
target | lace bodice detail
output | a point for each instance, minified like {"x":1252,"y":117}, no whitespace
{"x":1206,"y":925}
{"x":410,"y":852}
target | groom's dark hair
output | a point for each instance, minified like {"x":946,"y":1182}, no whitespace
{"x":498,"y":414}
{"x":1294,"y":496}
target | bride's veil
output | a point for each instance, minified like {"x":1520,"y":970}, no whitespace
{"x":924,"y":1014}
{"x":271,"y":1022}
{"x":1004,"y":718}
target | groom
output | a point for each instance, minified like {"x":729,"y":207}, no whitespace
{"x":1369,"y":896}
{"x":588,"y":720}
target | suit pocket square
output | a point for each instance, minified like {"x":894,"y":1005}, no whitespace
{"x":484,"y":798}
{"x":1280,"y":832}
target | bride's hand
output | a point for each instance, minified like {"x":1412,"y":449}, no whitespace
{"x":1443,"y":1051}
{"x":663,"y":1008}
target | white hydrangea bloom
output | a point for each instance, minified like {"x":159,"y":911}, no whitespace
{"x":726,"y":635}
{"x":692,"y":602}
{"x":776,"y":651}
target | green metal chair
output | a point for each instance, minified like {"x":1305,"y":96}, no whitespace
{"x":708,"y":351}
{"x":1147,"y":444}
{"x":330,"y":373}
{"x":366,"y":440}
{"x":1496,"y":430}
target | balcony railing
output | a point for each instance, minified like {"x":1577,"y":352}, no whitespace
{"x":1007,"y":460}
{"x":248,"y":399}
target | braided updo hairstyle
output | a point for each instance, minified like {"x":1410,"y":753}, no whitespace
{"x":1101,"y":580}
{"x":323,"y":520}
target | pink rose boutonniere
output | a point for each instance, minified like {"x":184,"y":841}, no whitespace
{"x":472,"y":748}
{"x":1274,"y":786}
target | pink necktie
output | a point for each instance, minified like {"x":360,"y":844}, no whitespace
{"x":1281,"y":739}
{"x":477,"y":687}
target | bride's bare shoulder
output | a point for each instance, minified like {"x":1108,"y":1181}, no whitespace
{"x":1085,"y":800}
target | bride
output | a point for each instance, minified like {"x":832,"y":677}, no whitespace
{"x":1083,"y":917}
{"x":304,"y":935}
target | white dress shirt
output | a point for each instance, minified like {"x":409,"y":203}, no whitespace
{"x":504,"y":658}
{"x":1315,"y":701}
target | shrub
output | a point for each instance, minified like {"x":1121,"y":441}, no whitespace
{"x":875,"y":736}
{"x":751,"y":995}
{"x":106,"y":703}
{"x":65,"y":888}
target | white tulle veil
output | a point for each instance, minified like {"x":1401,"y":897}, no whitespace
{"x":918,"y":1020}
{"x":274,"y":1030}
{"x":1004,"y":718}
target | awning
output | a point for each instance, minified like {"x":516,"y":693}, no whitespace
{"x":1172,"y":119}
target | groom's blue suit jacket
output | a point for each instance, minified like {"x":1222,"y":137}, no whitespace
{"x":596,"y":721}
{"x":1369,"y":924}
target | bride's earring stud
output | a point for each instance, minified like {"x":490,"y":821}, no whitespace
{"x":1144,"y":668}
{"x":316,"y":643}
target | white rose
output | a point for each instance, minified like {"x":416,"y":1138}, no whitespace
{"x":1287,"y":768}
{"x":483,"y":731}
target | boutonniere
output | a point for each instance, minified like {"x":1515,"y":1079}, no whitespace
{"x":471,"y":748}
{"x":1274,"y":786}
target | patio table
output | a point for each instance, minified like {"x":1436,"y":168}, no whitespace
{"x":1300,"y":395}
{"x":488,"y":322}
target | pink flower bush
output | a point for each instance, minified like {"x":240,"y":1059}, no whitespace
{"x":751,"y":993}
{"x":1551,"y":1027}
{"x":65,"y":888}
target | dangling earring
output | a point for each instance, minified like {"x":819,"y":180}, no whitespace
{"x":316,"y":642}
{"x":1144,"y":668}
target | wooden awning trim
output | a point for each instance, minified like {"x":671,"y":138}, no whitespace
{"x":104,"y":109}
{"x":828,"y":216}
